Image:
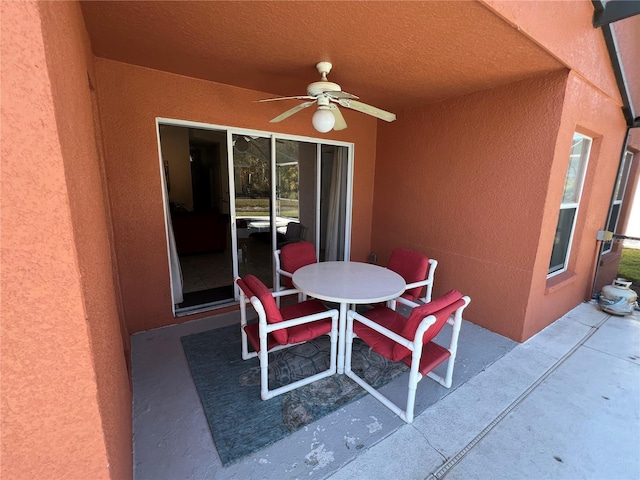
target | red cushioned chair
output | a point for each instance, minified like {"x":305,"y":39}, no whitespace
{"x":279,"y":328}
{"x":290,"y":258}
{"x":417,"y":271}
{"x":408,"y":340}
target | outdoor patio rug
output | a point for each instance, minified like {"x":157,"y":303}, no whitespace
{"x":229,"y":388}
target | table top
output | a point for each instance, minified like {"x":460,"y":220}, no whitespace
{"x":349,"y":282}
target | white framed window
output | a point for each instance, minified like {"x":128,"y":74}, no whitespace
{"x":618,"y":195}
{"x":574,"y":181}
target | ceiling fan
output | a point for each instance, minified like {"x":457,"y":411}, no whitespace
{"x":328,"y":96}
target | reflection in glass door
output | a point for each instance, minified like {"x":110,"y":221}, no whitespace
{"x":295,"y":191}
{"x":302,"y":196}
{"x":253,"y":206}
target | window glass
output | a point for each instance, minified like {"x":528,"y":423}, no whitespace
{"x":578,"y":159}
{"x":575,"y":173}
{"x":614,"y":214}
{"x":562,"y":238}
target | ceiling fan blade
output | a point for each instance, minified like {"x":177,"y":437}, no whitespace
{"x":291,"y":111}
{"x":299,"y":97}
{"x":368,"y":109}
{"x":340,"y":123}
{"x":341,"y":95}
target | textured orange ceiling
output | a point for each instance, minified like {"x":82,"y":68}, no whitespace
{"x":391,"y":54}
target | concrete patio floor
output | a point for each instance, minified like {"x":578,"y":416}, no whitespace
{"x":563,"y":405}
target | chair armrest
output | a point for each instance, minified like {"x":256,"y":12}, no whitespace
{"x":284,"y":273}
{"x":333,"y":314}
{"x":427,"y":281}
{"x":284,"y":293}
{"x":351,"y":316}
{"x":421,"y":283}
{"x":391,"y":304}
{"x":406,"y":301}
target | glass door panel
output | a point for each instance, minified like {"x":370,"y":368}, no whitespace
{"x":197,"y":216}
{"x":333,"y":202}
{"x":253,"y":207}
{"x":295,"y":191}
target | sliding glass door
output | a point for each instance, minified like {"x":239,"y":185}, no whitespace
{"x":288,"y":190}
{"x":233,"y":197}
{"x":254,"y":220}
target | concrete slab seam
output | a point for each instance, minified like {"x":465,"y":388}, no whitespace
{"x":444,"y":469}
{"x":444,"y":457}
{"x":609,"y":354}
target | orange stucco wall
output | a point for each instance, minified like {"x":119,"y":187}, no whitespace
{"x":133,"y":174}
{"x":590,"y":112}
{"x":65,"y":392}
{"x":563,"y":28}
{"x":473,"y":172}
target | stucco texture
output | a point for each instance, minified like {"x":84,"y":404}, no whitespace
{"x":272,"y":46}
{"x":591,"y":112}
{"x":130,"y":99}
{"x":563,"y":28}
{"x":61,"y":343}
{"x":464,"y":182}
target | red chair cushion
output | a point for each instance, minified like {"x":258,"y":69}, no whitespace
{"x":410,"y":265}
{"x":442,"y":308}
{"x":272,"y":311}
{"x":386,"y":318}
{"x":253,"y":335}
{"x":306,"y":331}
{"x":432,"y":356}
{"x":243,"y":286}
{"x":294,"y":256}
{"x":297,"y":334}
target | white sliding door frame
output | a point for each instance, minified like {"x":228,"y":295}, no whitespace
{"x":230,"y":132}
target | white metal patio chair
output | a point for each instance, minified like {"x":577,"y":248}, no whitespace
{"x":410,"y":341}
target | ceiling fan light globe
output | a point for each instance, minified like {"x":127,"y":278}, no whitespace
{"x":323,"y":120}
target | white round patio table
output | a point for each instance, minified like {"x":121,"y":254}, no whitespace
{"x":348,"y":283}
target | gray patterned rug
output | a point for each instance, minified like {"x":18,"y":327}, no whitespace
{"x":229,"y":388}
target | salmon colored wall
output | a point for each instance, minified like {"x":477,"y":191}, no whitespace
{"x":55,"y":421}
{"x":130,"y":100}
{"x":564,"y":28}
{"x":592,"y":113}
{"x":69,"y":61}
{"x":464,"y":181}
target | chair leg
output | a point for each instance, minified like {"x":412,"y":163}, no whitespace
{"x":264,"y":374}
{"x":264,"y":363}
{"x":414,"y":378}
{"x":243,"y":323}
{"x":447,"y":381}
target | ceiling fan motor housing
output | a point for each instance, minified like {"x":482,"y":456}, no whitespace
{"x":317,"y":88}
{"x":328,"y":115}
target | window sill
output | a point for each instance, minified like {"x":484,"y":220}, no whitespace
{"x":559,"y":281}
